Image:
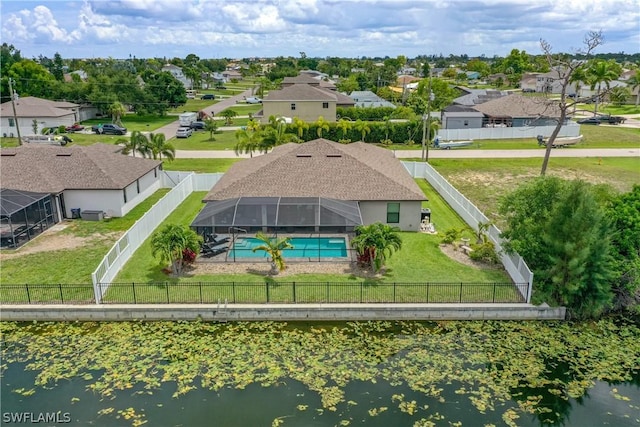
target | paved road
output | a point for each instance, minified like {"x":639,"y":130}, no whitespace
{"x":170,"y":129}
{"x":451,"y":154}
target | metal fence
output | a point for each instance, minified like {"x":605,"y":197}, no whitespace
{"x":513,"y":263}
{"x":265,"y":293}
{"x":571,"y":129}
{"x":183,"y":183}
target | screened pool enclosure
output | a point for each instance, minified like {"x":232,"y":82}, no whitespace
{"x":24,"y":215}
{"x":277,"y":215}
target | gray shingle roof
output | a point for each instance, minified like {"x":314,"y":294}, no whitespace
{"x":300,"y":92}
{"x":320,"y":168}
{"x":30,"y":106}
{"x":52,"y":169}
{"x":518,"y":106}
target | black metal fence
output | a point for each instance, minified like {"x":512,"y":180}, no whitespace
{"x":266,"y":293}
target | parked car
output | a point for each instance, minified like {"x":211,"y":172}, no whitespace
{"x":76,"y":127}
{"x":253,"y":100}
{"x":528,"y":90}
{"x":184,"y":132}
{"x":109,"y":129}
{"x":612,"y":120}
{"x":589,"y":121}
{"x":197,"y":125}
{"x":208,"y":96}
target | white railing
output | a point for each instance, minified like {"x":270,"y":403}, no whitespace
{"x":571,"y":129}
{"x":182,"y":184}
{"x":513,"y":263}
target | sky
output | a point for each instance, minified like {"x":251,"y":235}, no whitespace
{"x":319,"y":28}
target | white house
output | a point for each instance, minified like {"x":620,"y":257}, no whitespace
{"x":90,"y":178}
{"x":46,"y":114}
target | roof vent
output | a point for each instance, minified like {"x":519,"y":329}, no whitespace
{"x":63,"y":155}
{"x":303,"y":155}
{"x":334,"y":155}
{"x":3,"y":154}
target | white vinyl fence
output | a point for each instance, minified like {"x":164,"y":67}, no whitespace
{"x":571,"y":129}
{"x":513,"y":263}
{"x":182,"y":184}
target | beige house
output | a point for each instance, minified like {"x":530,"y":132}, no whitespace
{"x":332,"y":188}
{"x":304,"y":97}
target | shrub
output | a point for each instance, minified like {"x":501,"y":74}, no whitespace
{"x":451,"y":235}
{"x":485,"y":252}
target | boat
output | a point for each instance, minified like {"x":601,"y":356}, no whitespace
{"x":448,"y":145}
{"x":560,"y":142}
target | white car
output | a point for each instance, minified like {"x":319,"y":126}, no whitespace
{"x":253,"y":100}
{"x":184,"y":132}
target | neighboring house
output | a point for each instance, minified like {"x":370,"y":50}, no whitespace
{"x":366,"y":98}
{"x":232,"y":75}
{"x":303,"y":97}
{"x":68,"y":77}
{"x":178,"y":74}
{"x":46,"y":113}
{"x":94,"y":178}
{"x":586,"y":91}
{"x":551,"y":82}
{"x":492,"y":78}
{"x":472,"y":97}
{"x":307,"y":79}
{"x":507,"y":111}
{"x":405,"y":80}
{"x":472,"y":75}
{"x":409,"y":71}
{"x":319,"y":186}
{"x":529,"y":82}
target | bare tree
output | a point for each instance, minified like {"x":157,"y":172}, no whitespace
{"x":566,"y":68}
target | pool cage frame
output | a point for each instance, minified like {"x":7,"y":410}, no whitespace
{"x":231,"y":220}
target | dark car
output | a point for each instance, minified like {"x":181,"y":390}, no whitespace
{"x":612,"y":120}
{"x":208,"y":96}
{"x":109,"y":129}
{"x":589,"y":121}
{"x":197,"y":125}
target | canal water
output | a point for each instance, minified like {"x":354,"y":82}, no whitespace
{"x":376,"y":389}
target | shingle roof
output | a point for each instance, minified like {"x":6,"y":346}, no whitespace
{"x":30,"y":106}
{"x":300,"y":92}
{"x":320,"y":168}
{"x":53,"y":169}
{"x":518,"y":106}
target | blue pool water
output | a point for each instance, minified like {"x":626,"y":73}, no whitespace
{"x":303,"y":247}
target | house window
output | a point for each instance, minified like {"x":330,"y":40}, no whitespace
{"x":12,"y":123}
{"x":393,"y":213}
{"x":325,"y":105}
{"x":293,"y":107}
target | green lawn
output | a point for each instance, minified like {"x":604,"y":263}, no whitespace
{"x":200,"y":165}
{"x":73,"y":266}
{"x":200,"y":141}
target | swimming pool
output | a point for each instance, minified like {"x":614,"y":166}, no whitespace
{"x":303,"y":247}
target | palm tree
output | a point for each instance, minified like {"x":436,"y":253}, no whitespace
{"x":228,"y":114}
{"x":602,"y":72}
{"x":634,"y":83}
{"x":345,"y":126}
{"x":274,"y":136}
{"x":249,"y":140}
{"x":579,"y":77}
{"x":137,"y":142}
{"x":300,"y":126}
{"x":362,"y":127}
{"x":321,"y":124}
{"x":117,"y":110}
{"x":375,"y":242}
{"x":210,"y":126}
{"x":159,"y":147}
{"x":274,"y":247}
{"x":170,"y":243}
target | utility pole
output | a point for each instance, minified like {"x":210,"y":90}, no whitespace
{"x":13,"y":105}
{"x":429,"y":100}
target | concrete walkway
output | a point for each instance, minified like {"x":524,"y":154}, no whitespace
{"x":451,"y":154}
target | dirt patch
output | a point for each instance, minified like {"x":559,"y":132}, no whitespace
{"x":54,"y":239}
